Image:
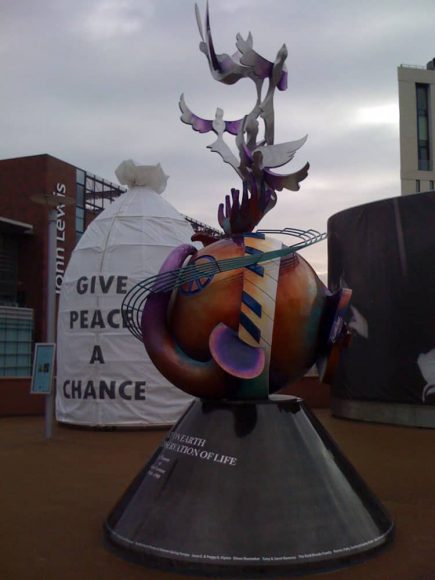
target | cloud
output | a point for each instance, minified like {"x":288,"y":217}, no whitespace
{"x":113,"y":18}
{"x":95,"y":82}
{"x":385,"y":114}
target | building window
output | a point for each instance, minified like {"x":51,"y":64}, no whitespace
{"x":80,"y":176}
{"x":80,"y":203}
{"x":8,"y":270}
{"x":417,"y":186}
{"x":431,"y":185}
{"x":80,"y":195}
{"x":423,"y":140}
{"x":16,"y":335}
{"x":80,"y":220}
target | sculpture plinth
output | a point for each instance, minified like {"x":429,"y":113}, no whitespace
{"x":248,"y":487}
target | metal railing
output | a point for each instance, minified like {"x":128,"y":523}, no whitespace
{"x":417,"y":66}
{"x":200,"y":227}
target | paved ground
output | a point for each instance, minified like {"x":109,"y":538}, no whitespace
{"x":55,"y":495}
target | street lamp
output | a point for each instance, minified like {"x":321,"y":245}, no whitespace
{"x":51,"y":201}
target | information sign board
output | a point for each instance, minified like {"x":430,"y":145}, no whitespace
{"x":43,"y":362}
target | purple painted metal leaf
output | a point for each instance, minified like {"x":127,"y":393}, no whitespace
{"x":223,"y":220}
{"x":241,"y":217}
{"x":235,"y":198}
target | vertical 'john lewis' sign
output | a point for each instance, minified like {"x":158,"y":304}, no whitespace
{"x":60,"y":191}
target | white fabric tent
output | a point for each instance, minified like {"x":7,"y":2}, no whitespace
{"x":104,"y":375}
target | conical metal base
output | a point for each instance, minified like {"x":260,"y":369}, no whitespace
{"x":246,"y":487}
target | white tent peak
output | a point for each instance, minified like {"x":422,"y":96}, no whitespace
{"x":132,"y":174}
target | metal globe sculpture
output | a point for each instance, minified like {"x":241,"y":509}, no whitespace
{"x":247,"y":482}
{"x":247,"y":315}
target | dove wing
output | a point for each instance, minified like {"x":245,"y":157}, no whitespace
{"x":198,"y":21}
{"x":198,"y":124}
{"x":220,"y":147}
{"x":280,"y":154}
{"x":290,"y":181}
{"x":250,"y":58}
{"x":233,"y":127}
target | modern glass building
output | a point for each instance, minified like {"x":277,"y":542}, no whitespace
{"x":417,"y":126}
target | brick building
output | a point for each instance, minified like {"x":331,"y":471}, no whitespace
{"x":24,"y":183}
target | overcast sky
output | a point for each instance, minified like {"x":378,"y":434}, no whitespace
{"x":94,"y":82}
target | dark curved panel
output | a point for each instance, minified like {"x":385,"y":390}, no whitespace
{"x":385,"y":252}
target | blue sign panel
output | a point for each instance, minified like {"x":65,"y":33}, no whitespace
{"x":43,"y":362}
